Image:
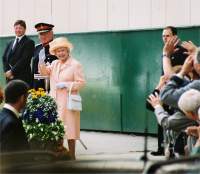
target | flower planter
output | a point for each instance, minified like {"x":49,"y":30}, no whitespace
{"x":45,"y":145}
{"x":43,"y":128}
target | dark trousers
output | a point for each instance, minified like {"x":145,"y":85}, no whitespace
{"x":160,"y":138}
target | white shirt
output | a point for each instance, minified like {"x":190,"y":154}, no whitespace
{"x":11,"y":108}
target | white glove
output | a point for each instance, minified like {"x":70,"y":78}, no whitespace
{"x":42,"y":56}
{"x":61,"y":85}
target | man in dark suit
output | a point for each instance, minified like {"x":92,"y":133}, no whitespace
{"x":18,"y":54}
{"x":12,"y":133}
{"x":45,"y":34}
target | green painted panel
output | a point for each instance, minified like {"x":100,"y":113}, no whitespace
{"x":121,"y":68}
{"x":101,"y":109}
{"x":3,"y":43}
{"x":100,"y":54}
{"x":142,"y":57}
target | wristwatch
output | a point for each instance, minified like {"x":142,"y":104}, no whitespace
{"x":164,"y":55}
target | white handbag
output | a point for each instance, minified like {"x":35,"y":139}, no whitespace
{"x":74,"y":101}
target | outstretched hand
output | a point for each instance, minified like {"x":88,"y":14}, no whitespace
{"x":193,"y":131}
{"x":154,"y":100}
{"x":190,"y":47}
{"x":163,"y":80}
{"x":170,"y":46}
{"x":187,"y":66}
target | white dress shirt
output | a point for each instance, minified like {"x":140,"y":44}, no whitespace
{"x":11,"y":108}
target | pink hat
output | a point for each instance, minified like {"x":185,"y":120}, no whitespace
{"x":59,"y":43}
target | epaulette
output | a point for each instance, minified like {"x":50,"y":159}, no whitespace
{"x":38,"y":45}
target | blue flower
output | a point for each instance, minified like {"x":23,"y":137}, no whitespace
{"x":40,"y":117}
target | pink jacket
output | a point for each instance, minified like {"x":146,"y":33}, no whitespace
{"x":70,"y":71}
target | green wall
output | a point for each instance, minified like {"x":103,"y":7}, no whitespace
{"x":121,"y":68}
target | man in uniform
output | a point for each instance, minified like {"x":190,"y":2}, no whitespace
{"x":45,"y":34}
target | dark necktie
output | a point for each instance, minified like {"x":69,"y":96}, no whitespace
{"x":16,"y":45}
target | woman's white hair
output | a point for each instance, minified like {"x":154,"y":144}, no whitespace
{"x":190,"y":101}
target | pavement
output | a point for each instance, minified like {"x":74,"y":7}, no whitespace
{"x":113,"y":152}
{"x":106,"y":153}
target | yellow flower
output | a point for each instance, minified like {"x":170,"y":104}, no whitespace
{"x":40,"y":89}
{"x":38,"y":93}
{"x":32,"y":93}
{"x":31,"y":90}
{"x":43,"y":93}
{"x":34,"y":96}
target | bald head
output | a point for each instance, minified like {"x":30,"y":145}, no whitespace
{"x":189,"y":103}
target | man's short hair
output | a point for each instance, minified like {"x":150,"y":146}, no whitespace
{"x":20,"y":22}
{"x":14,"y":90}
{"x":190,"y":101}
{"x":173,"y":29}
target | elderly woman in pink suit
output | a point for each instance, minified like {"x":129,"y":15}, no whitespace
{"x":63,"y":72}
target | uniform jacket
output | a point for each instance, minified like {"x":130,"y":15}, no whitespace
{"x":18,"y":61}
{"x":49,"y":58}
{"x":12,"y":134}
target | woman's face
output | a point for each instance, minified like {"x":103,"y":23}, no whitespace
{"x":62,"y":53}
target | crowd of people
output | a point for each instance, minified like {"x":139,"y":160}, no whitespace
{"x":22,"y":62}
{"x":176,"y":101}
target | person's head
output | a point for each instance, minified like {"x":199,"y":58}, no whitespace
{"x":61,"y":48}
{"x":16,"y":93}
{"x":19,"y":28}
{"x":45,"y":32}
{"x":189,"y":103}
{"x":168,"y":32}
